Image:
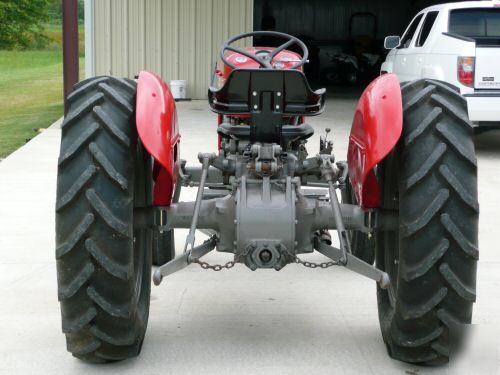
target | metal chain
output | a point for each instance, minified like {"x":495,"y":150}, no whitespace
{"x":220,"y":267}
{"x":232,"y":263}
{"x":215,"y":267}
{"x":315,"y":265}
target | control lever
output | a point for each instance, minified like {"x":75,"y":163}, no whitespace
{"x":206,"y":160}
{"x":325,"y":146}
{"x":330,"y":172}
{"x":184,"y":260}
{"x":354,"y":264}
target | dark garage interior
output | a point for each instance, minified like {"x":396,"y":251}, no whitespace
{"x":345,"y":38}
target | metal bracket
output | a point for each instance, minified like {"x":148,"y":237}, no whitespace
{"x":150,"y":218}
{"x":330,"y":172}
{"x":184,"y":260}
{"x":353,"y":263}
{"x":344,"y":174}
{"x":325,"y":146}
{"x":206,"y":160}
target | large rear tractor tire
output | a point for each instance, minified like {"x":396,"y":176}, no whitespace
{"x":103,"y":261}
{"x":431,"y":180}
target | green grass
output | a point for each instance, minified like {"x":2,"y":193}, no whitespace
{"x":54,"y":33}
{"x":31,"y":93}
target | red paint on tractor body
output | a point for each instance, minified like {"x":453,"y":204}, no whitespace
{"x":158,"y":130}
{"x":376,"y":129}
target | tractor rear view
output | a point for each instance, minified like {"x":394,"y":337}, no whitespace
{"x":407,"y":217}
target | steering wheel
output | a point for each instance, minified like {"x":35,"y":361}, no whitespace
{"x":264,"y":59}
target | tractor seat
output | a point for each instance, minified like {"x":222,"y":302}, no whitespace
{"x":251,"y":91}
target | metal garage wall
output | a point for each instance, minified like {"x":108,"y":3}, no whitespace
{"x":329,"y":19}
{"x":179,"y":39}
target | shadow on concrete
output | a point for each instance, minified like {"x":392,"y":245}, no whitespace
{"x":487,"y":142}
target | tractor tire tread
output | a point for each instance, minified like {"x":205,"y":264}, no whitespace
{"x":459,"y":114}
{"x":79,"y":322}
{"x":101,"y":318}
{"x":426,"y":215}
{"x":438,"y":227}
{"x":459,"y":238}
{"x":412,"y":342}
{"x":118,"y":311}
{"x":82,"y":110}
{"x":75,"y":189}
{"x":106,"y":214}
{"x":127,"y":340}
{"x":427,"y":123}
{"x":110,"y":265}
{"x":107,"y":166}
{"x":447,"y":87}
{"x":75,"y":236}
{"x":455,"y":184}
{"x":112,"y":94}
{"x":69,"y":290}
{"x":426,"y":167}
{"x":456,"y":283}
{"x":79,"y":143}
{"x":105,"y":120}
{"x":84,"y":348}
{"x":425,"y":264}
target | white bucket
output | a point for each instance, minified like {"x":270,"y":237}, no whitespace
{"x":178,"y":88}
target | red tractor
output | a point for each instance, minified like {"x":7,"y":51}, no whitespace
{"x":407,"y":217}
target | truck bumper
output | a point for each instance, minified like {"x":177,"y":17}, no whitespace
{"x":483,"y":107}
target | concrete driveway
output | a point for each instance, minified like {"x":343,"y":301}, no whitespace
{"x":297,"y":321}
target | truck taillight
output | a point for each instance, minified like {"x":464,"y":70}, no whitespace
{"x":466,"y":70}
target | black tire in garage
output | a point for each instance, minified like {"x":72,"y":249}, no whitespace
{"x":103,"y":261}
{"x":431,"y":179}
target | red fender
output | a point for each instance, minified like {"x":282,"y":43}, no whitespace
{"x":376,"y":129}
{"x":156,"y":119}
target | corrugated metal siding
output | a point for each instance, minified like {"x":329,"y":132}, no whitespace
{"x":178,"y":39}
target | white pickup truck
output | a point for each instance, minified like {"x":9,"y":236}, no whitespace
{"x":458,"y":43}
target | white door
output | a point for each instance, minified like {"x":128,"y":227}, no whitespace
{"x":420,"y":49}
{"x":405,"y":62}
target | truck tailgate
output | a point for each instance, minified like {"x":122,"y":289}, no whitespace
{"x":487,"y":75}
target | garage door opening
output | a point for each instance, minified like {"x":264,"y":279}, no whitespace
{"x":345,"y":38}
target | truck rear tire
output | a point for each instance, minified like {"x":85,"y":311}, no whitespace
{"x":103,"y":260}
{"x":431,"y":180}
